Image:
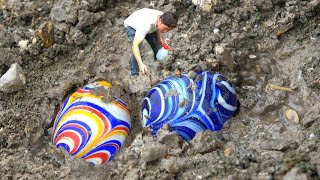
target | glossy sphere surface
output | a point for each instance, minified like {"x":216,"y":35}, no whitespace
{"x":91,"y":125}
{"x":190,"y":105}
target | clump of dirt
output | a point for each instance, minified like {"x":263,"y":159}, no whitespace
{"x":252,"y":43}
{"x":310,"y":73}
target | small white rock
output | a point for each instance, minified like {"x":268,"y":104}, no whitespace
{"x":216,"y":30}
{"x":34,"y":40}
{"x":152,"y":4}
{"x":23,"y":44}
{"x":292,"y":115}
{"x":312,"y":136}
{"x":199,"y":177}
{"x":31,"y":31}
{"x":251,"y":56}
{"x":313,"y":39}
{"x":219,"y":49}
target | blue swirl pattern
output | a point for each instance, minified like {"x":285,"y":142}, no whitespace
{"x":190,"y":105}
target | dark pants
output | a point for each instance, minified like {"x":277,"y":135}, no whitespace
{"x":152,"y":40}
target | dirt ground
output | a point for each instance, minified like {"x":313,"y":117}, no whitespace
{"x":268,"y":48}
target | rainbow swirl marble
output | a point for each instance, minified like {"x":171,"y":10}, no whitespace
{"x":190,"y":105}
{"x":91,"y":127}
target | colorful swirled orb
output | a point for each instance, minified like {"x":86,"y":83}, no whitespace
{"x":91,"y":125}
{"x":190,"y":105}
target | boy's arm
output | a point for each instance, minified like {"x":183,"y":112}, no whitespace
{"x":160,"y":39}
{"x":136,"y":52}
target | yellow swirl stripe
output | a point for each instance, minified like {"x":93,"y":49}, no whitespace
{"x":85,"y":113}
{"x":116,"y":132}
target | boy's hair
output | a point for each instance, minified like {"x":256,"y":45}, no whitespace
{"x":169,"y":19}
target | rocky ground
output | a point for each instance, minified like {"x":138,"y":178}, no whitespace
{"x":268,"y":48}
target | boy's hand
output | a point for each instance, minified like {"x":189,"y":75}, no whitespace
{"x":165,"y":43}
{"x":162,"y":42}
{"x":143,"y":68}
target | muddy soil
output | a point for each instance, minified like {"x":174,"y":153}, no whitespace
{"x":268,"y":48}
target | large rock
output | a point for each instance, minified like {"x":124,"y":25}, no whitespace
{"x":170,"y":139}
{"x":311,"y":115}
{"x":153,"y":152}
{"x":64,"y":12}
{"x":205,"y":142}
{"x":13,"y":79}
{"x":87,"y":18}
{"x":279,"y":145}
{"x":76,"y":37}
{"x":295,"y":174}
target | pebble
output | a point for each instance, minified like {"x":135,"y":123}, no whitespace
{"x":23,"y":44}
{"x":292,"y":115}
{"x":312,"y":136}
{"x":228,"y":151}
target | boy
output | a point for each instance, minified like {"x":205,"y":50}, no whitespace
{"x":147,"y":24}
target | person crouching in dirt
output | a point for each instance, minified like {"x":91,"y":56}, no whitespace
{"x":147,"y":24}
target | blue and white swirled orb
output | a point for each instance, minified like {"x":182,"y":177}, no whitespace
{"x":190,"y":105}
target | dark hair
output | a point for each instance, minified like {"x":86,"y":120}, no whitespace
{"x":169,"y":19}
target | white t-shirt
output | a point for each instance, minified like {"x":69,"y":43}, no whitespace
{"x":143,"y":21}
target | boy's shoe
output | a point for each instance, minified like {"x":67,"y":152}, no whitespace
{"x":134,"y":76}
